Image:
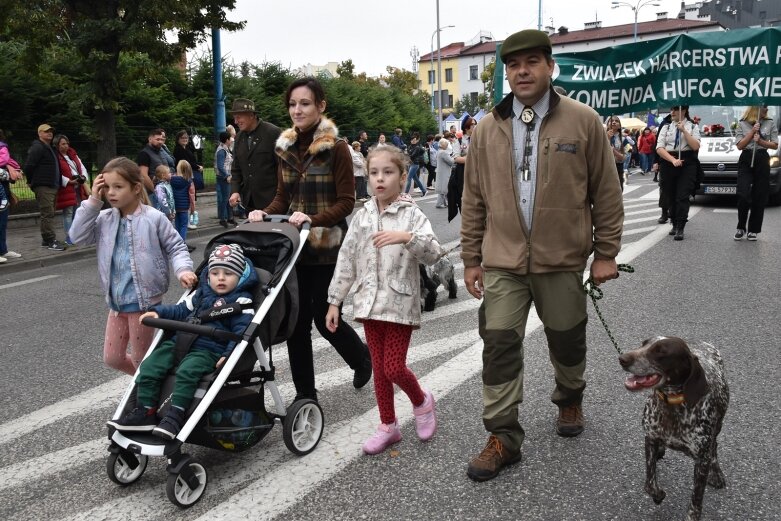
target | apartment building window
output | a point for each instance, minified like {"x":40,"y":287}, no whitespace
{"x":473,"y":97}
{"x":432,"y":77}
{"x":473,"y":72}
{"x":448,"y":74}
{"x":444,"y":97}
{"x":450,"y":100}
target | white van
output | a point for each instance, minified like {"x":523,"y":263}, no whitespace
{"x":719,"y":155}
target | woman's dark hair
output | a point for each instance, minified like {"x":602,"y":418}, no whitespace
{"x":310,"y":83}
{"x":416,"y":135}
{"x":180,"y":134}
{"x":224,"y":136}
{"x":469,"y":123}
{"x":2,"y":135}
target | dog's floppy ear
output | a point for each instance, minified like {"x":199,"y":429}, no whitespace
{"x":695,"y":386}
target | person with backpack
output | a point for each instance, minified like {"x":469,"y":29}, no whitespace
{"x":416,"y":157}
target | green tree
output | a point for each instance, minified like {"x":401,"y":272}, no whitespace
{"x":401,"y":79}
{"x":488,"y":83}
{"x":97,"y":33}
{"x":346,"y":70}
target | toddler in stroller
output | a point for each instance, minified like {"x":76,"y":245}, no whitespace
{"x":229,"y":328}
{"x":225,"y":301}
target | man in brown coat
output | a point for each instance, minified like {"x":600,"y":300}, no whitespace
{"x":254,"y":170}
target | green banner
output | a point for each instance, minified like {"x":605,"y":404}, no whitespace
{"x":740,"y":67}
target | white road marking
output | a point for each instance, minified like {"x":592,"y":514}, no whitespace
{"x":652,"y":195}
{"x":725,"y":210}
{"x":639,"y":212}
{"x":28,"y":281}
{"x":636,"y":231}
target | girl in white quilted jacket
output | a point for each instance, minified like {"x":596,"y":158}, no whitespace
{"x":386,"y":240}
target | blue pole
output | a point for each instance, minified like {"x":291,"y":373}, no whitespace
{"x":219,"y":97}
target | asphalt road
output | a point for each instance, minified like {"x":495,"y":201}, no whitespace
{"x":55,"y":396}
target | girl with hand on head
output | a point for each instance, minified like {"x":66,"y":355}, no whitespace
{"x":614,"y":136}
{"x":134,"y":244}
{"x":387,"y":239}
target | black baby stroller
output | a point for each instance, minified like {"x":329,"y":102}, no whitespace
{"x":228,"y":412}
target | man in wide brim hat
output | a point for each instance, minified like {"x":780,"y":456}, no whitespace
{"x":254,"y":168}
{"x":243,"y":105}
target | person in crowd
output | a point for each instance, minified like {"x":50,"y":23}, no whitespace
{"x":73,"y":189}
{"x":535,"y":252}
{"x":756,"y":134}
{"x":43,"y":176}
{"x":229,"y":278}
{"x":646,"y":145}
{"x":382,"y":261}
{"x":432,"y":144}
{"x":445,"y":164}
{"x":677,"y":147}
{"x":363,"y":139}
{"x":325,"y":201}
{"x":398,"y":141}
{"x":254,"y":167}
{"x":134,"y":244}
{"x":416,"y":154}
{"x":167,"y":155}
{"x":381,"y":140}
{"x":359,"y":171}
{"x":223,"y":159}
{"x":164,"y":193}
{"x":14,"y":173}
{"x":149,"y":158}
{"x":184,"y":197}
{"x":456,"y":183}
{"x":663,"y":203}
{"x":184,"y":152}
{"x":614,"y":133}
{"x":628,"y":144}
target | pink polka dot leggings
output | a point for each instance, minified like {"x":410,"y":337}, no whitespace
{"x":388,"y":345}
{"x":123,"y":330}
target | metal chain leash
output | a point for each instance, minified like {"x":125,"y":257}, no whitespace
{"x":595,"y":292}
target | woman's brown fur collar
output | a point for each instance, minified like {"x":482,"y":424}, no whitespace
{"x":324,"y":139}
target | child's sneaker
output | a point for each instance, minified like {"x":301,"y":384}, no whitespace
{"x":3,"y":204}
{"x":170,"y":426}
{"x":386,"y":435}
{"x":425,"y":417}
{"x":140,"y":419}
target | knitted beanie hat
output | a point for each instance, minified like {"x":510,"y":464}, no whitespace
{"x":229,"y":257}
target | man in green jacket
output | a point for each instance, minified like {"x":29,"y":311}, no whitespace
{"x":254,"y":169}
{"x":540,"y":195}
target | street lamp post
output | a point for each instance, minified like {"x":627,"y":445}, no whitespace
{"x":634,"y":7}
{"x":431,"y":70}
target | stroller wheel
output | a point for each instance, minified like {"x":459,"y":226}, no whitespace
{"x":125,"y":468}
{"x":303,"y":426}
{"x":186,"y":487}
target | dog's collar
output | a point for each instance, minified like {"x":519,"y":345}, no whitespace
{"x":670,"y":398}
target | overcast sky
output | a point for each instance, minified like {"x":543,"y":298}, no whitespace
{"x":377,"y":34}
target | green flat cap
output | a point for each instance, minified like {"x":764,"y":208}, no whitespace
{"x":525,"y":40}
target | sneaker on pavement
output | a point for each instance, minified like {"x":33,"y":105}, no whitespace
{"x":491,"y":460}
{"x":570,"y":421}
{"x":192,"y":227}
{"x":12,"y":255}
{"x":386,"y":435}
{"x":425,"y":417}
{"x":739,"y":234}
{"x":751,"y":236}
{"x":3,"y":259}
{"x":364,"y":373}
{"x":55,"y":246}
{"x":140,"y":419}
{"x":170,"y":426}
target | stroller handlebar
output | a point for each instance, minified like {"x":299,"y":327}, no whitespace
{"x":200,"y":330}
{"x":278,"y":218}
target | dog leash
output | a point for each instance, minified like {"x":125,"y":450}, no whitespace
{"x":595,"y":292}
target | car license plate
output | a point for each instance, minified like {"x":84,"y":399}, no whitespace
{"x":720,"y":190}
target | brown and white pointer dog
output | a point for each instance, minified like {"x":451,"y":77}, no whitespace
{"x":685,"y":411}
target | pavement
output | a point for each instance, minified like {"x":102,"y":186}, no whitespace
{"x":24,"y":237}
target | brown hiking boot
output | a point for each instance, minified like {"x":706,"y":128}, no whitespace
{"x":494,"y":458}
{"x":570,"y":420}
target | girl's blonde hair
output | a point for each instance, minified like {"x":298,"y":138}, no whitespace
{"x":751,"y":114}
{"x":160,"y":172}
{"x":397,"y":157}
{"x":129,"y":171}
{"x":184,"y":169}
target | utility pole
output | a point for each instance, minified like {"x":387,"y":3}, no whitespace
{"x":219,"y":97}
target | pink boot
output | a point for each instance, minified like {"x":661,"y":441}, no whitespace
{"x":425,"y":417}
{"x":386,"y":435}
